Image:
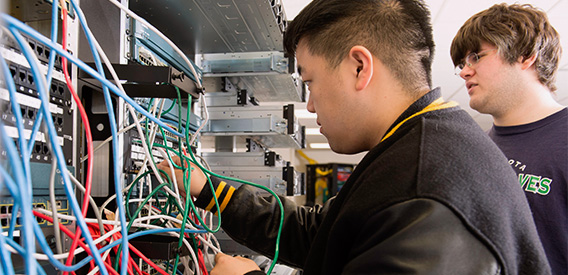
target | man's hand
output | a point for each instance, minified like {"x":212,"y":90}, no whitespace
{"x":198,"y":178}
{"x":227,"y":265}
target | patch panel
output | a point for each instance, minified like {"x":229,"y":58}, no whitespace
{"x":27,"y":97}
{"x":42,"y":53}
{"x":41,"y":152}
{"x":25,"y":83}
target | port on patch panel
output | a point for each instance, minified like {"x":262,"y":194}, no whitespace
{"x":23,"y":77}
{"x":31,"y":113}
{"x":32,"y":44}
{"x":38,"y":148}
{"x":31,"y":79}
{"x":14,"y":72}
{"x":45,"y":149}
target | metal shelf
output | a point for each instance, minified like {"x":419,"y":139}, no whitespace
{"x":231,"y":38}
{"x":217,"y":26}
{"x":272,"y":126}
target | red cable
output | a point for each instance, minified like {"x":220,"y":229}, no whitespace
{"x":88,"y":135}
{"x":71,"y":235}
{"x":117,"y":236}
{"x":133,"y":263}
{"x":152,"y":264}
{"x":201,"y":262}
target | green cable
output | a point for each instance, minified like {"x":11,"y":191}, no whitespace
{"x":277,"y":248}
{"x":187,"y":182}
{"x":127,"y":199}
{"x":170,"y":108}
{"x":132,"y":221}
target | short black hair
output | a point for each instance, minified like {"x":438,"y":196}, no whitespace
{"x":398,"y":32}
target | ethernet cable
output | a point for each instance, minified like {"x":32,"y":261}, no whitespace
{"x":19,"y":193}
{"x":112,"y":121}
{"x":10,"y":85}
{"x":49,"y":255}
{"x":27,"y":30}
{"x":15,"y":26}
{"x":6,"y":258}
{"x":56,"y":231}
{"x":80,"y":108}
{"x":138,"y":224}
{"x":21,"y":170}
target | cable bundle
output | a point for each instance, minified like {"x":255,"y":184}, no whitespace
{"x":165,"y":210}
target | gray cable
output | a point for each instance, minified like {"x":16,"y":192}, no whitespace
{"x":58,"y":243}
{"x":91,"y":202}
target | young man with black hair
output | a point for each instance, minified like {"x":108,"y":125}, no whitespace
{"x":508,"y":55}
{"x":433,"y":195}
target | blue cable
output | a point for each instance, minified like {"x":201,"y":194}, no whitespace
{"x":172,"y":266}
{"x":26,"y":154}
{"x":18,"y":25}
{"x":50,"y":66}
{"x":56,"y":149}
{"x":6,"y":259}
{"x":86,"y":260}
{"x":12,"y":188}
{"x":24,"y":200}
{"x":16,"y":110}
{"x":11,"y":21}
{"x":113,"y":128}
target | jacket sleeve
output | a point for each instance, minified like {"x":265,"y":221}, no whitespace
{"x":253,"y":220}
{"x":419,"y":236}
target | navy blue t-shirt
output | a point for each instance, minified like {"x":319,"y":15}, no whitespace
{"x":538,"y":152}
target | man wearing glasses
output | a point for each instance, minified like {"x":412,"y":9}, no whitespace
{"x":508,"y":56}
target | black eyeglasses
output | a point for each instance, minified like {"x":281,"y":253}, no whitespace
{"x":470,"y":60}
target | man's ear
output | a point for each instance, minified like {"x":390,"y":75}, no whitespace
{"x":527,"y":62}
{"x":361,"y":62}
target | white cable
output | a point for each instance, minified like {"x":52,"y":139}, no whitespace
{"x":117,"y":229}
{"x":91,"y":200}
{"x":136,"y":224}
{"x":205,"y":120}
{"x":83,"y":159}
{"x":172,"y":171}
{"x":105,"y":255}
{"x":56,"y":229}
{"x":146,"y":150}
{"x":149,"y":157}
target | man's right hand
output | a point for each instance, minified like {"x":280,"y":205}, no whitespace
{"x":198,"y":179}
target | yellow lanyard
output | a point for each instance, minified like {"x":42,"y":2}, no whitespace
{"x":437,"y":104}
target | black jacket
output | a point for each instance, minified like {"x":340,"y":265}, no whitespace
{"x":437,"y":197}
